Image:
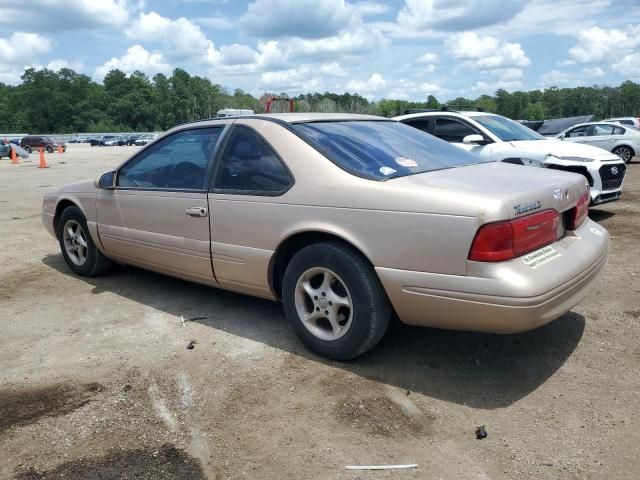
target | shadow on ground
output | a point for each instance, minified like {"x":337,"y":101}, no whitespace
{"x":479,"y":370}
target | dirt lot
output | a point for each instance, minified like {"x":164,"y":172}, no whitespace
{"x":96,"y":380}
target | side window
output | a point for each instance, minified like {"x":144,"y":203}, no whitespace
{"x":452,"y":130}
{"x":599,"y":130}
{"x":619,"y":131}
{"x":421,"y":124}
{"x":577,"y":132}
{"x":178,"y":161}
{"x":249,"y":166}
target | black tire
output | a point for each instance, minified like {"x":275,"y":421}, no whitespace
{"x":49,"y":149}
{"x":28,"y":149}
{"x":624,"y":152}
{"x":96,"y":263}
{"x":371,"y":308}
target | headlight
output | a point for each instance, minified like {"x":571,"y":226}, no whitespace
{"x":569,"y":159}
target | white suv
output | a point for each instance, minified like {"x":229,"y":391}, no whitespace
{"x":500,"y":139}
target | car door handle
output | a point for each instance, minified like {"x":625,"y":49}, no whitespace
{"x":196,"y":212}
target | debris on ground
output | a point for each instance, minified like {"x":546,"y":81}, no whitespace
{"x":192,"y":319}
{"x":380,"y":467}
{"x":191,"y":345}
{"x":481,"y":432}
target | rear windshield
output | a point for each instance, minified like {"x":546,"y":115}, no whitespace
{"x":381,"y":150}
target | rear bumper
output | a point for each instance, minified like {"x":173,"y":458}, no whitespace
{"x":508,"y":297}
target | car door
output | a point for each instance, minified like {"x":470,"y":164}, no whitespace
{"x":157,"y":216}
{"x":248,"y":172}
{"x":453,"y":130}
{"x":577,"y":134}
{"x":600,"y":135}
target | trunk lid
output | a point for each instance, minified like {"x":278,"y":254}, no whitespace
{"x":517,"y":189}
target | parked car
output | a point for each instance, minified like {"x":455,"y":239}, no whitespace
{"x":131,"y":140}
{"x":34,"y":142}
{"x":95,"y":141}
{"x":5,"y":149}
{"x":632,"y":121}
{"x":109,"y":141}
{"x":143,"y":140}
{"x":497,"y":138}
{"x":624,"y":141}
{"x":345,"y":219}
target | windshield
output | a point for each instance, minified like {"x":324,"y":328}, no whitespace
{"x":380,"y":150}
{"x":505,"y":129}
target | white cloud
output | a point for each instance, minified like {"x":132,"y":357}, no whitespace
{"x":486,"y":52}
{"x":397,"y":95}
{"x":360,"y":41}
{"x":23,"y":47}
{"x":593,"y":72}
{"x":374,"y":83}
{"x":456,"y":15}
{"x":430,"y":88}
{"x":136,"y":58}
{"x":484,"y":88}
{"x":219,"y":22}
{"x":55,"y":15}
{"x":60,"y":63}
{"x":596,"y":44}
{"x":182,"y":40}
{"x":368,"y":8}
{"x":629,"y":65}
{"x":559,"y":17}
{"x":428,"y":57}
{"x":507,"y":74}
{"x":302,"y":18}
{"x":555,"y":78}
{"x":237,"y":54}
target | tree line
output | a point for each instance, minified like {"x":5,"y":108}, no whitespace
{"x":65,"y":101}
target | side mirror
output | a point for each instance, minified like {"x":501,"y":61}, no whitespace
{"x":473,"y":139}
{"x":107,"y":181}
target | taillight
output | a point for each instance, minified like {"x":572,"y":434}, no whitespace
{"x":500,"y":241}
{"x":580,"y":211}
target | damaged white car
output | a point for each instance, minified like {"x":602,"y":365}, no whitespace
{"x":497,"y":138}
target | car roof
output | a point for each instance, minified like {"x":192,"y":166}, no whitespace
{"x":293,"y":118}
{"x":606,"y":122}
{"x":462,"y":113}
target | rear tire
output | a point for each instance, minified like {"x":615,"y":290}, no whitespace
{"x":49,"y":149}
{"x":78,"y":249}
{"x":334,"y":301}
{"x":624,"y":152}
{"x":28,"y":149}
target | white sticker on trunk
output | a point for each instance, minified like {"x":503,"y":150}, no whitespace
{"x":540,"y":257}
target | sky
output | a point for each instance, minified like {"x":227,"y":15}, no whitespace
{"x":400,"y":49}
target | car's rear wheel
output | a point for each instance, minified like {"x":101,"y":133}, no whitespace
{"x":49,"y":149}
{"x":334,"y":301}
{"x":28,"y":149}
{"x":625,"y":153}
{"x":78,"y":249}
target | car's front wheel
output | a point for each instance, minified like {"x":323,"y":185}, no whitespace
{"x":78,"y":249}
{"x":49,"y":149}
{"x":625,"y":153}
{"x":334,"y":301}
{"x":28,"y":149}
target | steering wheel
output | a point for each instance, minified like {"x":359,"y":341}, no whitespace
{"x":181,"y":174}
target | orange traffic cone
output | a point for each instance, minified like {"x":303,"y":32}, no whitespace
{"x":43,"y":161}
{"x":14,"y":157}
{"x":60,"y":149}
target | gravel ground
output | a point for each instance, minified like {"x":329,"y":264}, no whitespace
{"x":96,"y":380}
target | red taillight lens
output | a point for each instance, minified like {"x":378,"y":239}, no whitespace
{"x":500,"y":241}
{"x":580,"y":211}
